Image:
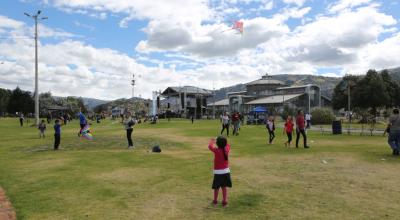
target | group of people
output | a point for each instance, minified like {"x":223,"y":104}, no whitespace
{"x":288,"y":129}
{"x":235,"y":119}
{"x":302,"y":123}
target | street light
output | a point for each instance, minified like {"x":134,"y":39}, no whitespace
{"x":35,"y":18}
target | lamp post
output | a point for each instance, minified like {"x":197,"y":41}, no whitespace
{"x":35,"y":18}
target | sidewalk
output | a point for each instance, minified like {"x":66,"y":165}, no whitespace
{"x":345,"y":131}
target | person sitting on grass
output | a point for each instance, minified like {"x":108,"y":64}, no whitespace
{"x":42,"y":128}
{"x":271,"y":129}
{"x":222,"y":177}
{"x":57,"y":134}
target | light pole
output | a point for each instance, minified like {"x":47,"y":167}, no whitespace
{"x":35,"y":18}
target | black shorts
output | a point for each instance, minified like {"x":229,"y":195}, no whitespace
{"x":222,"y":180}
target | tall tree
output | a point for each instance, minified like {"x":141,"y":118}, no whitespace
{"x":371,"y":92}
{"x":340,"y":92}
{"x":5,"y":95}
{"x":20,"y":101}
{"x":46,"y":100}
{"x":392,"y":89}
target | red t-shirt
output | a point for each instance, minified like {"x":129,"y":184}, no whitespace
{"x":219,"y":160}
{"x":289,"y":126}
{"x":300,"y":122}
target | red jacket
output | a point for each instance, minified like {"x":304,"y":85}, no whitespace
{"x":289,"y":126}
{"x":219,"y":160}
{"x":300,"y":122}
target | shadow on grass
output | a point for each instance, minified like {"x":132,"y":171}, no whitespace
{"x":244,"y":202}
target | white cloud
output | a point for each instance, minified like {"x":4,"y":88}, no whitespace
{"x":296,"y":2}
{"x":346,"y":4}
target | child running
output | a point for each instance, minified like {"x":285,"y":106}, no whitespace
{"x":271,"y":129}
{"x":288,"y":129}
{"x":222,"y":177}
{"x":42,"y":128}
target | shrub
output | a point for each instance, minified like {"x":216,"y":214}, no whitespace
{"x":322,"y":116}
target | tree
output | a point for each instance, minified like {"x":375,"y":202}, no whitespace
{"x":45,"y":101}
{"x":340,"y":96}
{"x":5,"y":95}
{"x":20,"y":101}
{"x":392,"y":89}
{"x":371,"y":92}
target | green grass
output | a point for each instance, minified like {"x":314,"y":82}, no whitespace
{"x":340,"y":177}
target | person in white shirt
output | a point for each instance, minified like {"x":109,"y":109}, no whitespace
{"x":225,"y":124}
{"x":308,"y":120}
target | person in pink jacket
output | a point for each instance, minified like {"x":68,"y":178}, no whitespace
{"x":222,"y":177}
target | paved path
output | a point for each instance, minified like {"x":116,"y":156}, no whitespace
{"x":358,"y":131}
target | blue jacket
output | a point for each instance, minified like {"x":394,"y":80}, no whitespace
{"x":82,"y":119}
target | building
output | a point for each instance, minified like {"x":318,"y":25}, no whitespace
{"x":185,"y":101}
{"x":273,"y":94}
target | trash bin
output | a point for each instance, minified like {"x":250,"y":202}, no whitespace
{"x":336,"y":127}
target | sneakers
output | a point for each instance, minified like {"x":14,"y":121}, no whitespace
{"x":306,"y":147}
{"x":224,"y":204}
{"x":131,"y":147}
{"x":214,"y":202}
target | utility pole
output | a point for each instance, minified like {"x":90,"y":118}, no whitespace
{"x":35,"y":18}
{"x":348,"y":104}
{"x":213,"y":101}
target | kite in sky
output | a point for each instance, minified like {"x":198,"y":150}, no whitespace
{"x":85,"y":132}
{"x":237,"y":25}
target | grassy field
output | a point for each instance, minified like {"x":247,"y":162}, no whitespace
{"x":340,"y":177}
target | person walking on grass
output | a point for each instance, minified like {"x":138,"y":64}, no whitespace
{"x":129,"y":123}
{"x":82,"y":122}
{"x":300,"y":129}
{"x":42,"y":128}
{"x":57,"y":134}
{"x":271,"y":128}
{"x":225,"y":124}
{"x":394,"y":132}
{"x":222,"y":176}
{"x":235,"y":122}
{"x":21,"y":119}
{"x":288,"y":129}
{"x":308,"y":120}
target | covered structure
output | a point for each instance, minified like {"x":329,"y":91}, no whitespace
{"x":186,"y":101}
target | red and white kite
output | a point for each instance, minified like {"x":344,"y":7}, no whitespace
{"x":237,"y":25}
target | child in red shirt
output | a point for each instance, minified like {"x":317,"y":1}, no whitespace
{"x":222,"y":177}
{"x":288,"y":129}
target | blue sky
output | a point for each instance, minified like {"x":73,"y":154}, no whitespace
{"x":92,"y":48}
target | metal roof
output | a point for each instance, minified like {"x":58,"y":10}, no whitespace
{"x":274,"y":99}
{"x":266,"y":82}
{"x":219,"y":103}
{"x":187,"y":89}
{"x":296,"y":87}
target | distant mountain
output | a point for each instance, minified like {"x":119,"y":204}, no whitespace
{"x":395,"y":73}
{"x":91,"y":102}
{"x":327,"y":84}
